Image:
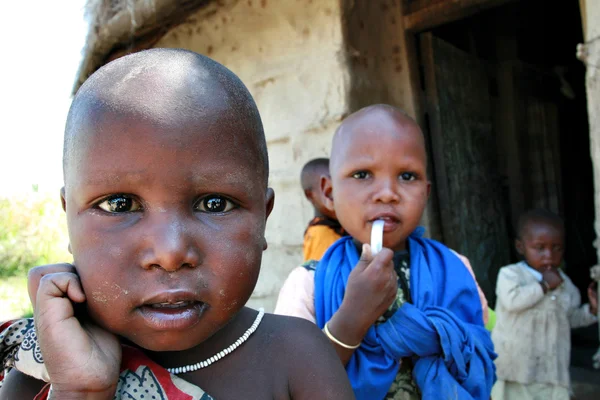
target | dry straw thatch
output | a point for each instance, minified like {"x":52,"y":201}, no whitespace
{"x":118,"y":27}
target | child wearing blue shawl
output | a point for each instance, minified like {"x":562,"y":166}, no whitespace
{"x":407,"y":322}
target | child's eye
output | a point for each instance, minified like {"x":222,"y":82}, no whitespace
{"x":215,"y":204}
{"x":361,"y":175}
{"x":408,"y":176}
{"x":119,"y":203}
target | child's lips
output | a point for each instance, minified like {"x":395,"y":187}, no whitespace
{"x":172,"y":310}
{"x":390,"y":222}
{"x":174,"y":306}
{"x":177,"y":315}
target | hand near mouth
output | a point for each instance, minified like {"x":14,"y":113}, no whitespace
{"x":82,"y":359}
{"x":552,"y":277}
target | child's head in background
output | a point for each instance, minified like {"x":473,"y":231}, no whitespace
{"x":310,"y":178}
{"x":541,"y":239}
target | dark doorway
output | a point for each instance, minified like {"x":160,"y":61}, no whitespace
{"x":535,"y":152}
{"x":506,"y":119}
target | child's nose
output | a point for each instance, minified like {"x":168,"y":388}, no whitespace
{"x":386,"y":192}
{"x":547,"y":254}
{"x":171,"y":245}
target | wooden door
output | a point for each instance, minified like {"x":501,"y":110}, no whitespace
{"x":469,"y":190}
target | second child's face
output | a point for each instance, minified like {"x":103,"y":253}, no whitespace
{"x":381,"y":174}
{"x":166,"y":221}
{"x":542,"y":245}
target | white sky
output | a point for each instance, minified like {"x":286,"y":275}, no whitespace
{"x":42,"y":43}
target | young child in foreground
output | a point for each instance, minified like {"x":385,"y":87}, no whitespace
{"x":324,"y":229}
{"x":165,"y":168}
{"x":414,"y":309}
{"x":536,"y":308}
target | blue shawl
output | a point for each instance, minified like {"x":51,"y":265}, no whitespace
{"x":442,"y":329}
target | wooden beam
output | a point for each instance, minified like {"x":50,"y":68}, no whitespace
{"x":411,"y":6}
{"x":440,"y":13}
{"x":582,"y":9}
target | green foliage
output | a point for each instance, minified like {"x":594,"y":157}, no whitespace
{"x":32,"y":232}
{"x":14,"y":300}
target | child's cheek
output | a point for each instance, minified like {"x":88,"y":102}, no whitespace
{"x":107,"y":293}
{"x":101,"y":276}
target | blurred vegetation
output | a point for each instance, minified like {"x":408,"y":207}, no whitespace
{"x":14,"y":300}
{"x":33,"y":231}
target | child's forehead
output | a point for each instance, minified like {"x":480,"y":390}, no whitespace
{"x":185,"y":100}
{"x":377,"y":130}
{"x":165,"y":97}
{"x":106,"y":121}
{"x":126,"y":137}
{"x":379,"y":121}
{"x":536,"y":227}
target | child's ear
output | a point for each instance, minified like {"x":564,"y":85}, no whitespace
{"x":519,"y":246}
{"x":327,"y":192}
{"x":270,"y":202}
{"x":428,"y":188}
{"x":308,"y":194}
{"x":63,"y":201}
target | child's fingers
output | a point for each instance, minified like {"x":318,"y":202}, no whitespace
{"x":383,"y":260}
{"x":54,"y":314}
{"x":55,"y":294}
{"x":365,"y":258}
{"x":35,"y":275}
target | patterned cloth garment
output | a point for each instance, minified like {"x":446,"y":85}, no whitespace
{"x":140,"y":377}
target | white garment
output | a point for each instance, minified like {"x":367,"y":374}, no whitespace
{"x":537,"y":274}
{"x":532,"y":332}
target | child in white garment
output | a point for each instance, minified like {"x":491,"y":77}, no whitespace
{"x":536,"y":308}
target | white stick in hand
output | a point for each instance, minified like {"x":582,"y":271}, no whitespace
{"x":377,"y":236}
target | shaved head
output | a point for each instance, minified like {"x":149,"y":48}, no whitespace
{"x":165,"y":87}
{"x":371,"y":120}
{"x":312,"y":171}
{"x":538,"y":216}
{"x":378,"y":169}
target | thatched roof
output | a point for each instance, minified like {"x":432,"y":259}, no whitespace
{"x":119,"y":27}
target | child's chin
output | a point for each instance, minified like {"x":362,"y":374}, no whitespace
{"x":395,"y":245}
{"x":167,"y":345}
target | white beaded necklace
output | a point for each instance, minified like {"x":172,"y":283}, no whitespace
{"x":222,"y":353}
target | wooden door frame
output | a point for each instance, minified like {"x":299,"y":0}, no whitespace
{"x":435,"y":141}
{"x":423,"y":15}
{"x":420,"y":16}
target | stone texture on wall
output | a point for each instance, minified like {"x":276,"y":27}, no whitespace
{"x":291,"y":56}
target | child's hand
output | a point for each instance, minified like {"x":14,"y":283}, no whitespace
{"x":35,"y":275}
{"x":552,"y":277}
{"x":372,"y":287}
{"x":593,"y":298}
{"x":79,"y":356}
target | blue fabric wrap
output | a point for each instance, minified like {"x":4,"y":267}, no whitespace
{"x":442,"y":329}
